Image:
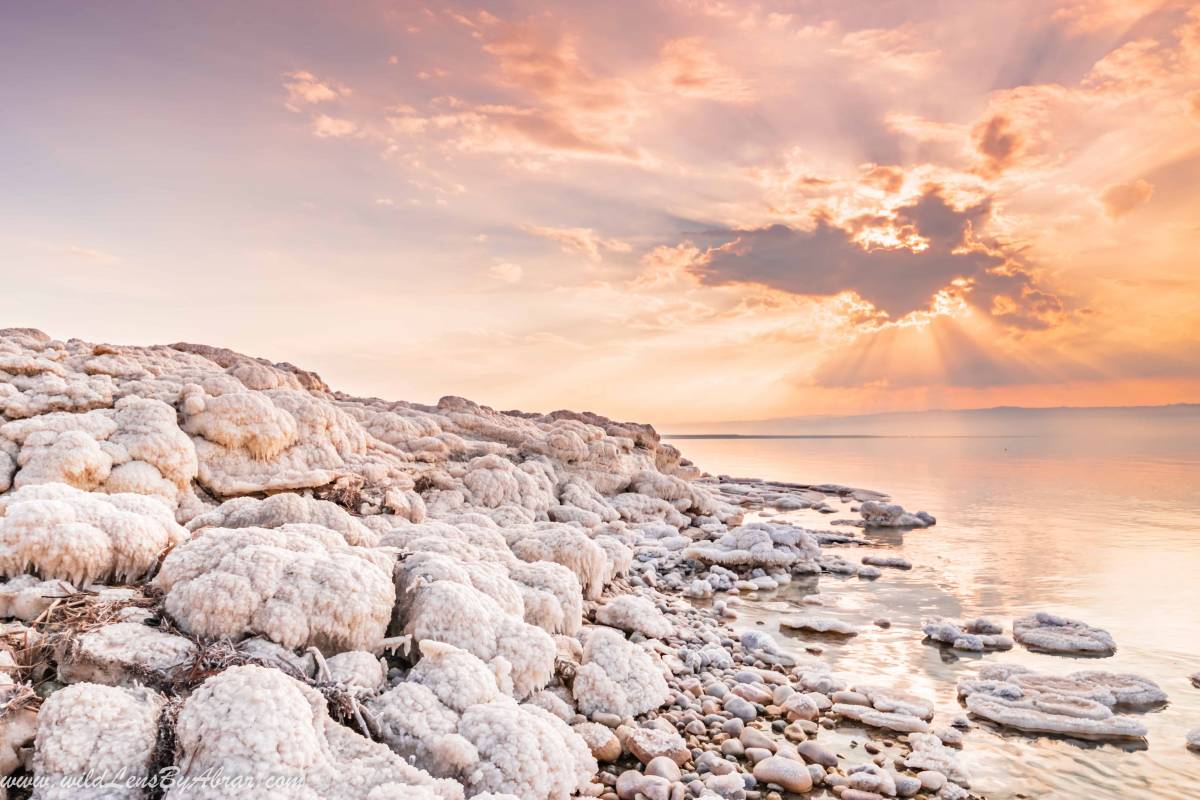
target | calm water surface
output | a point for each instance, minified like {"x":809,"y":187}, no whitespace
{"x":1086,"y":523}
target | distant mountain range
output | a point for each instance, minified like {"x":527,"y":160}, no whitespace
{"x":997,"y":421}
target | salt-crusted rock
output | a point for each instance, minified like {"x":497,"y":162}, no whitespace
{"x":18,"y":719}
{"x":758,"y":544}
{"x":134,"y":447}
{"x":878,"y":514}
{"x":1055,"y":634}
{"x":894,"y":562}
{"x":282,"y":509}
{"x":930,"y":754}
{"x":631,"y":612}
{"x":255,"y":724}
{"x":816,"y":623}
{"x":58,"y":531}
{"x":123,"y":654}
{"x":975,"y":635}
{"x":107,"y":732}
{"x":452,"y":718}
{"x":617,"y":676}
{"x":25,"y":597}
{"x":1193,"y":739}
{"x":462,"y":616}
{"x":299,"y":585}
{"x":357,"y":670}
{"x":1080,"y":704}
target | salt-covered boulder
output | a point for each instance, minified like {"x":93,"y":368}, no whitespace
{"x":617,"y":676}
{"x":1054,"y":634}
{"x":123,"y":654}
{"x":256,"y":725}
{"x":61,"y":532}
{"x":452,"y":718}
{"x":630,"y":612}
{"x":105,"y":732}
{"x":759,"y":544}
{"x":878,"y":514}
{"x":299,"y":585}
{"x":460,"y":615}
{"x":282,"y":509}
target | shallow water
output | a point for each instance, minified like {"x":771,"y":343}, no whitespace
{"x":1095,"y":527}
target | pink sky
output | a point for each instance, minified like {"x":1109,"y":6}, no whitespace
{"x":672,"y":211}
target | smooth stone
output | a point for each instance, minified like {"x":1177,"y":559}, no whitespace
{"x":817,"y":754}
{"x":664,"y":767}
{"x":859,"y":794}
{"x":753,"y":737}
{"x":741,"y":708}
{"x":757,"y":754}
{"x":733,"y":727}
{"x":791,"y":776}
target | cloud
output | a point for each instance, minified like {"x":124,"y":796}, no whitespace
{"x":327,"y":127}
{"x":690,"y":68}
{"x":580,"y":240}
{"x":1091,"y":16}
{"x":932,"y":258}
{"x":1121,"y":198}
{"x":998,"y":143}
{"x":507,"y":272}
{"x":304,"y":89}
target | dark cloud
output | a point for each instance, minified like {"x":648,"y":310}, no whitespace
{"x":998,"y":142}
{"x":825,"y":260}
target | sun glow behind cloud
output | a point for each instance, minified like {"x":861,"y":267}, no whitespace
{"x":675,"y":211}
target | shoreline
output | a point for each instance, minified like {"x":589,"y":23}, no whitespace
{"x":442,"y":601}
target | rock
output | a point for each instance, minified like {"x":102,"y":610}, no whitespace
{"x":931,"y":780}
{"x":753,"y":737}
{"x":1193,"y":739}
{"x":817,"y":623}
{"x":647,"y":744}
{"x":632,"y":784}
{"x":800,"y":706}
{"x":817,"y":754}
{"x":894,"y":562}
{"x":741,"y":708}
{"x":664,"y":767}
{"x":604,"y":744}
{"x":1053,"y":634}
{"x":789,"y":775}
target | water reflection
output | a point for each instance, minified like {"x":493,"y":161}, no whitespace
{"x":1105,"y":531}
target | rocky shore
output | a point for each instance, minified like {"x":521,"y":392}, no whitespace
{"x":215,"y":565}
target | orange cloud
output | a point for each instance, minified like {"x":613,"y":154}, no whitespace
{"x":303,"y":88}
{"x":1119,"y":199}
{"x":580,"y":240}
{"x":690,"y":68}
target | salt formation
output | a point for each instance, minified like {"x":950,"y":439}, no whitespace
{"x":878,"y":514}
{"x":452,"y":718}
{"x":59,"y":531}
{"x":1080,"y":704}
{"x":1054,"y":634}
{"x":253,"y":723}
{"x":974,"y":635}
{"x":299,"y":585}
{"x":107,"y":732}
{"x":616,"y":676}
{"x":759,"y":544}
{"x":817,"y":623}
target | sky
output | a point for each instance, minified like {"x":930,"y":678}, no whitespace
{"x":671,"y":211}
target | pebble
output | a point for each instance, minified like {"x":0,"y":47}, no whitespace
{"x":789,"y":775}
{"x":817,"y":754}
{"x":664,"y":767}
{"x":741,"y":708}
